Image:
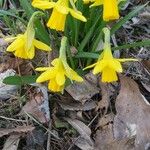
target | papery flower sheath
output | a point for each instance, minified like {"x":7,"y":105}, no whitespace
{"x":24,"y":45}
{"x":107,"y":64}
{"x":58,"y":72}
{"x":60,"y":11}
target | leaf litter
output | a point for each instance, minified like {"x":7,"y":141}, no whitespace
{"x":103,"y":116}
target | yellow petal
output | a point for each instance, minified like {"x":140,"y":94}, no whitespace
{"x":43,"y":4}
{"x":97,"y":3}
{"x":40,"y":45}
{"x":109,"y":75}
{"x":53,"y":86}
{"x":47,"y":75}
{"x":9,"y":39}
{"x":116,"y":65}
{"x":110,"y":11}
{"x":72,"y":75}
{"x":42,"y":68}
{"x":31,"y":52}
{"x":17,"y":44}
{"x":21,"y":53}
{"x":100,"y":66}
{"x":60,"y":78}
{"x":127,"y":59}
{"x":77,"y":15}
{"x":62,"y":9}
{"x":90,"y":66}
{"x":57,"y":24}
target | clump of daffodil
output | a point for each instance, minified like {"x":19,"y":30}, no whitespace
{"x":107,"y":64}
{"x":24,"y":45}
{"x":60,"y":11}
{"x":58,"y":72}
{"x":110,"y":8}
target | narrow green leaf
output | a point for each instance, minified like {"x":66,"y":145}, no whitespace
{"x":20,"y":80}
{"x":87,"y":55}
{"x":87,"y":37}
{"x":7,"y":13}
{"x":126,"y":18}
{"x":133,"y":45}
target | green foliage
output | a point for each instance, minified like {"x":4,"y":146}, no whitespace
{"x":20,"y":80}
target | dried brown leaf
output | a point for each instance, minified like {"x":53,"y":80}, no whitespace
{"x":12,"y":142}
{"x":38,"y":106}
{"x":104,"y":102}
{"x":132,"y":117}
{"x":82,"y":129}
{"x":82,"y":91}
{"x":19,"y":129}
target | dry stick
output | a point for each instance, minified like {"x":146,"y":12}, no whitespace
{"x":12,"y":119}
{"x":49,"y":136}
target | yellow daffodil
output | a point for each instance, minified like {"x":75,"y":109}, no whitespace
{"x":60,"y":11}
{"x":107,"y":64}
{"x":57,"y":73}
{"x":110,"y":8}
{"x":24,"y":45}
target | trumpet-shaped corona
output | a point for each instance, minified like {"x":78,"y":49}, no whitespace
{"x":110,"y":8}
{"x":57,"y":73}
{"x":107,"y":64}
{"x":60,"y":11}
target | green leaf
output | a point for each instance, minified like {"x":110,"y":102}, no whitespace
{"x":7,"y":13}
{"x":20,"y":80}
{"x":133,"y":45}
{"x":87,"y":55}
{"x":87,"y":37}
{"x":125,"y":46}
{"x":126,"y":18}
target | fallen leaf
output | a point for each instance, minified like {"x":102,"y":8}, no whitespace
{"x":6,"y":91}
{"x":146,"y":86}
{"x":146,"y":64}
{"x":22,"y":67}
{"x":82,"y":129}
{"x":38,"y":105}
{"x":104,"y":102}
{"x":18,"y":129}
{"x":132,"y":117}
{"x":68,"y":103}
{"x":82,"y":91}
{"x":104,"y":135}
{"x":90,"y":77}
{"x":105,"y":139}
{"x":10,"y":63}
{"x":83,"y":144}
{"x":35,"y":140}
{"x":12,"y":142}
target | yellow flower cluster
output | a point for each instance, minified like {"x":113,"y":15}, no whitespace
{"x":24,"y":45}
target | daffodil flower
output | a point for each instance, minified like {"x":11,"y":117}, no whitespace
{"x":110,"y":8}
{"x":60,"y":11}
{"x":58,"y":72}
{"x":24,"y":45}
{"x":107,"y":64}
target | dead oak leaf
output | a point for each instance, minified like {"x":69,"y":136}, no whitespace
{"x":132,"y":117}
